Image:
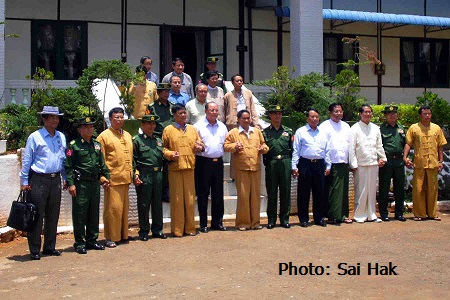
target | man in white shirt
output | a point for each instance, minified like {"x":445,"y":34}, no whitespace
{"x":336,"y":158}
{"x":209,"y":168}
{"x":195,"y":108}
{"x":366,"y":154}
{"x":308,"y":165}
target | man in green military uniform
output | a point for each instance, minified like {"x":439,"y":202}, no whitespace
{"x":393,"y":137}
{"x":211,"y":65}
{"x":85,"y":167}
{"x":147,"y":167}
{"x":278,"y":168}
{"x":163,"y":109}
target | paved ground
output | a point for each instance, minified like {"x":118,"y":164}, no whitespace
{"x":243,"y":265}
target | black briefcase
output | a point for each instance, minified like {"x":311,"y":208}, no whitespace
{"x":24,"y":214}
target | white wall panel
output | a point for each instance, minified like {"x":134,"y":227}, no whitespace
{"x":42,"y":9}
{"x":18,"y":50}
{"x":212,"y":13}
{"x":156,"y":11}
{"x":143,"y":40}
{"x":98,"y":10}
{"x":103,"y":42}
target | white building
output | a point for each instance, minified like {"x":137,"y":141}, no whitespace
{"x":66,"y":36}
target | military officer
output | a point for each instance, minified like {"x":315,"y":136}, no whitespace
{"x":147,"y":167}
{"x":211,"y":65}
{"x":393,"y":137}
{"x":163,"y":109}
{"x":85,"y":166}
{"x":278,"y":163}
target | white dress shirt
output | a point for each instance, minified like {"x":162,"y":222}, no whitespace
{"x":213,"y":136}
{"x":309,"y":144}
{"x":366,"y":146}
{"x":338,"y":137}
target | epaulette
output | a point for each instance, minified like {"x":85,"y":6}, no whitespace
{"x":72,"y":142}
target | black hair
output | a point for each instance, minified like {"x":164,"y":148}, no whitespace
{"x":241,"y":112}
{"x":361,"y":108}
{"x":311,"y":109}
{"x":116,"y":110}
{"x":210,"y":74}
{"x":177,"y":107}
{"x":208,"y":103}
{"x":170,"y":80}
{"x":141,"y":68}
{"x":175,"y":60}
{"x":236,"y":75}
{"x":424,"y":107}
{"x":333,"y":105}
{"x":143,"y":59}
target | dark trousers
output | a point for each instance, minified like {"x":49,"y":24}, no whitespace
{"x":165,"y":195}
{"x":149,"y":196}
{"x":397,"y":173}
{"x":278,"y":174}
{"x":310,"y":178}
{"x":336,"y":189}
{"x":209,"y":177}
{"x":46,"y":195}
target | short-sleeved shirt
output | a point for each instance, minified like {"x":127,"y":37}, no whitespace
{"x":425,"y":141}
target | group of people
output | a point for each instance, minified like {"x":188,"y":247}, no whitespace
{"x":179,"y":156}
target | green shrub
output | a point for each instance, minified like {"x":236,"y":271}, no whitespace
{"x":13,"y":118}
{"x":407,"y":114}
{"x":346,"y":92}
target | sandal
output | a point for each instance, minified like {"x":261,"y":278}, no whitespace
{"x":110,"y":244}
{"x":436,"y":218}
{"x":348,"y":221}
{"x":417,"y":219}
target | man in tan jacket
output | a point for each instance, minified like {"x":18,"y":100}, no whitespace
{"x":117,"y":147}
{"x":247,"y":144}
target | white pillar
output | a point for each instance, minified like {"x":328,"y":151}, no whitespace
{"x":2,"y":53}
{"x":306,"y":36}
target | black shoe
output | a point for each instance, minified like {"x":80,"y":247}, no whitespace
{"x":144,"y":238}
{"x":401,"y":218}
{"x":95,"y":247}
{"x":322,"y":223}
{"x":51,"y":252}
{"x":304,"y":224}
{"x":159,"y":236}
{"x":385,"y":219}
{"x":81,"y":250}
{"x":35,"y":256}
{"x":270,"y":226}
{"x":204,"y":229}
{"x":219,"y":227}
{"x":286,"y":225}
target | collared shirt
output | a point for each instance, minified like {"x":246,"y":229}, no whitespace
{"x":180,"y":98}
{"x":186,"y":83}
{"x":195,"y":111}
{"x":44,"y":154}
{"x":366,"y":147}
{"x":309,"y":144}
{"x":216,"y":94}
{"x":213,"y":136}
{"x":250,"y":129}
{"x":152,"y":77}
{"x":393,"y":138}
{"x":240,"y":102}
{"x":179,"y":126}
{"x":338,"y":136}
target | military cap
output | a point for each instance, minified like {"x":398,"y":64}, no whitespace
{"x":212,"y":59}
{"x":163,"y":86}
{"x":274,"y":108}
{"x":390,"y":109}
{"x":84,"y":121}
{"x":150,"y":118}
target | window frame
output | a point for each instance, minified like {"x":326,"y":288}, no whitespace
{"x":59,"y":45}
{"x":340,"y":53}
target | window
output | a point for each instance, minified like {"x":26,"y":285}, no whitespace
{"x":424,"y":63}
{"x":60,"y":47}
{"x":335,"y":52}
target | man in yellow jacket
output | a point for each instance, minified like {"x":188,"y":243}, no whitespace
{"x":117,"y":147}
{"x":181,"y":141}
{"x":247,"y":144}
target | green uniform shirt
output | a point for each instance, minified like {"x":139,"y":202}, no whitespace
{"x":220,"y":82}
{"x":85,"y":161}
{"x":164,"y":112}
{"x":279,"y":142}
{"x":147,"y":153}
{"x":393,"y":138}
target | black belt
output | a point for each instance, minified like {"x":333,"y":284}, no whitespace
{"x":395,"y":155}
{"x":312,"y":160}
{"x":49,"y":175}
{"x":279,"y":157}
{"x":88,"y":178}
{"x":215,"y":160}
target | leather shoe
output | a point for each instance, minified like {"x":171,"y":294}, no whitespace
{"x":286,"y":225}
{"x":401,"y":218}
{"x":144,"y":238}
{"x":304,"y":224}
{"x":270,"y":226}
{"x":51,"y":252}
{"x":322,"y":223}
{"x":35,"y":256}
{"x":204,"y":229}
{"x":385,"y":219}
{"x":81,"y":250}
{"x":219,"y":227}
{"x":95,"y":247}
{"x":159,"y":236}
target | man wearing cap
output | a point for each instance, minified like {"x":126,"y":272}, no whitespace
{"x":196,"y":108}
{"x":163,"y":109}
{"x":147,"y":167}
{"x":186,"y":81}
{"x":211,"y":65}
{"x":42,"y":168}
{"x":428,"y":140}
{"x":216,"y":93}
{"x":85,"y":167}
{"x":117,"y":147}
{"x":393,"y":137}
{"x":278,"y":163}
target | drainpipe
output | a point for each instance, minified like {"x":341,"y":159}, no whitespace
{"x":123,"y":33}
{"x":380,"y":57}
{"x":241,"y":46}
